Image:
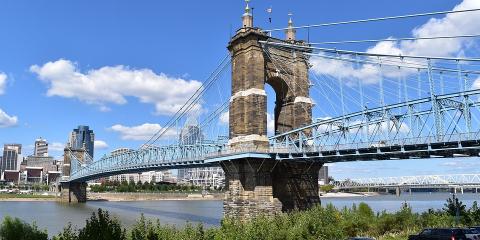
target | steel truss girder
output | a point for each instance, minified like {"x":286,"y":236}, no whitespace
{"x":333,"y":135}
{"x":469,"y":180}
{"x":152,"y":156}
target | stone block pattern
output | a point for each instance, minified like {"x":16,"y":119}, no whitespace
{"x":267,"y":187}
{"x":73,"y":192}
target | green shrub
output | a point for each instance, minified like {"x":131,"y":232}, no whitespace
{"x":16,"y":229}
{"x":101,"y":226}
{"x":68,"y":234}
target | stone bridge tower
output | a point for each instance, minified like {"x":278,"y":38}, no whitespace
{"x":75,"y":192}
{"x":257,"y":185}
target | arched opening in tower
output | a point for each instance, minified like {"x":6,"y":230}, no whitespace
{"x":277,"y":105}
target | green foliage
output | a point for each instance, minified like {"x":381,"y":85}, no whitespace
{"x":102,"y":226}
{"x":68,"y":234}
{"x":131,"y":186}
{"x":326,"y":188}
{"x":16,"y":229}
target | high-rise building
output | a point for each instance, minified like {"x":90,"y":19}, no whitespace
{"x":191,"y":134}
{"x":12,"y":157}
{"x":41,"y":148}
{"x":323,"y":178}
{"x":82,"y":138}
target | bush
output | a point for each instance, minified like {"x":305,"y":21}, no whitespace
{"x":68,"y":234}
{"x":16,"y":229}
{"x":102,"y":227}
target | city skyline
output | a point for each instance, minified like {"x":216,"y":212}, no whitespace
{"x":102,"y":46}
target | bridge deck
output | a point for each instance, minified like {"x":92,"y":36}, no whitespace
{"x":470,"y":148}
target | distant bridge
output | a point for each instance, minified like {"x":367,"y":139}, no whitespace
{"x":426,"y":181}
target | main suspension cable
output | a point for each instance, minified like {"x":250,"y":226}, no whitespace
{"x":373,"y":19}
{"x":396,"y":39}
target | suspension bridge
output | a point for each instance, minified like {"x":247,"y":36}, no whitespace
{"x":381,"y":106}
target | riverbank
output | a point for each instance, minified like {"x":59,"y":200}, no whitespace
{"x":156,"y":196}
{"x":120,"y":197}
{"x":25,"y":197}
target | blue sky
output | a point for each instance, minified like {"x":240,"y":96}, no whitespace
{"x":51,"y":51}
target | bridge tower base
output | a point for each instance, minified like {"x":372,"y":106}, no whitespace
{"x":267,"y":187}
{"x":73,"y":192}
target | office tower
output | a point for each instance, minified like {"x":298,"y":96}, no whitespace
{"x":323,"y":177}
{"x":82,"y":138}
{"x":41,"y":148}
{"x":12,"y":157}
{"x":191,"y":134}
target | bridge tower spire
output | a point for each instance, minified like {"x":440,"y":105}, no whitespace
{"x":247,"y":17}
{"x":290,"y":33}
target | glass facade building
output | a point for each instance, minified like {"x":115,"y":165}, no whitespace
{"x":82,"y":137}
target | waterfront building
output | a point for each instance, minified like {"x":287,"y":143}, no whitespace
{"x":191,"y":134}
{"x":41,"y":147}
{"x":45,"y":162}
{"x":150,"y":177}
{"x":11,"y":158}
{"x":82,"y":138}
{"x":12,"y":176}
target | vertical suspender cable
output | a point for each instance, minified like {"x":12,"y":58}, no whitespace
{"x":382,"y":101}
{"x":362,"y":102}
{"x":435,"y":104}
{"x":342,"y":102}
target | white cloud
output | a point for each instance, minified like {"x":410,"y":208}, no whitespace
{"x":225,"y":117}
{"x":56,"y":146}
{"x":6,"y":120}
{"x":113,"y":84}
{"x":450,"y":25}
{"x":460,"y":164}
{"x":3,"y":82}
{"x":270,"y":124}
{"x":141,"y":132}
{"x":99,"y":144}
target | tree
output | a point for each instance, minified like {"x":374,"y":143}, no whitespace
{"x":474,"y":213}
{"x":68,"y":234}
{"x":16,"y":229}
{"x":101,"y":226}
{"x":326,"y":188}
{"x":455,"y":207}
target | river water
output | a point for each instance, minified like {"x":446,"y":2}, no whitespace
{"x":54,"y":216}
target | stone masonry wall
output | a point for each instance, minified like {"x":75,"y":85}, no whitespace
{"x":268,"y":187}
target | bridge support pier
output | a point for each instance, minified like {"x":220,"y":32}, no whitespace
{"x":75,"y":192}
{"x":398,"y":191}
{"x":267,"y":187}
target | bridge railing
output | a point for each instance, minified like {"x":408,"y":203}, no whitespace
{"x":284,"y":147}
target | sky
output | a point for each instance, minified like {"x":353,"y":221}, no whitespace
{"x":124,"y":67}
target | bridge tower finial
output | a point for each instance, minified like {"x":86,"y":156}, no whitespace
{"x":247,"y":18}
{"x":290,"y":32}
